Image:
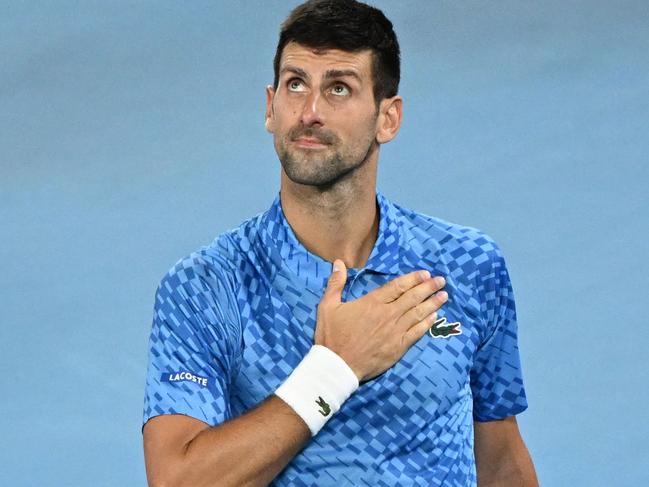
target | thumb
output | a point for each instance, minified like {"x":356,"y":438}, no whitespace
{"x":337,"y":280}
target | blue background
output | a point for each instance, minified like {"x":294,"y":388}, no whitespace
{"x":131,"y":133}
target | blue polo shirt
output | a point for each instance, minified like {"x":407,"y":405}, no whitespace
{"x":233,"y":319}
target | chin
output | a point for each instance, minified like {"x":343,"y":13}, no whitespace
{"x":315,"y":169}
{"x":323,"y":180}
{"x":312,"y":179}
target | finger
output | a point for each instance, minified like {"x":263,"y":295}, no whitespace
{"x":419,"y":330}
{"x":396,"y":287}
{"x":418,"y":294}
{"x":422,"y":310}
{"x":336,"y":282}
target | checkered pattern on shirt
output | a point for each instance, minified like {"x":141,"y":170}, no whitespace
{"x":242,"y":312}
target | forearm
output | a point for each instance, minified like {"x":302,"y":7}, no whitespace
{"x":249,"y":450}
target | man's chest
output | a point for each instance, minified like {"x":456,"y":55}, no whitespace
{"x":278,"y":326}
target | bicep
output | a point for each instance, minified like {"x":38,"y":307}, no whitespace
{"x":192,"y":347}
{"x":500,"y":452}
{"x":496,"y":374}
{"x":493,"y":437}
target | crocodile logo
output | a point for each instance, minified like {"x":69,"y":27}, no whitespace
{"x":326,"y":409}
{"x":442,"y":329}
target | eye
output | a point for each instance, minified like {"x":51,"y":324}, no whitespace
{"x":295,"y":84}
{"x":340,"y":90}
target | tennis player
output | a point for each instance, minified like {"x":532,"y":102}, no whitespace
{"x":337,"y":338}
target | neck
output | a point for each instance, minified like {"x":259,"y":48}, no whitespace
{"x":340,"y":222}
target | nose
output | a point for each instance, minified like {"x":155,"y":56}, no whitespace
{"x":312,"y":109}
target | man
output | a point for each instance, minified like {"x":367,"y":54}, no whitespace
{"x":314,"y":345}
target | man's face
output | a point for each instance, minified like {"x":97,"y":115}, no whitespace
{"x":322,"y":114}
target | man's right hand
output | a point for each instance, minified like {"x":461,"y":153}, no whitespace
{"x":371,"y":333}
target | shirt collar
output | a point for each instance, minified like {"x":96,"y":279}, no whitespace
{"x":391,"y":254}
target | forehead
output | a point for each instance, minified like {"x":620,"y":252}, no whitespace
{"x":315,"y":60}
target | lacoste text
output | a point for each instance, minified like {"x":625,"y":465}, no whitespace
{"x":184,"y":376}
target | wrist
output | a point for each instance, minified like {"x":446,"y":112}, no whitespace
{"x":318,"y":386}
{"x":352,"y":366}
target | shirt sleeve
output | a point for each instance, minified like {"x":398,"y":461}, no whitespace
{"x":496,"y":375}
{"x":193,"y":348}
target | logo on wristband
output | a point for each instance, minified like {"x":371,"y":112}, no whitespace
{"x":442,"y":329}
{"x":326,"y":409}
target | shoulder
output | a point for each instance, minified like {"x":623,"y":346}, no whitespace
{"x":448,"y":240}
{"x":216,"y":263}
{"x":200,"y":271}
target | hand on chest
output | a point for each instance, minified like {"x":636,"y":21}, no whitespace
{"x":280,"y":332}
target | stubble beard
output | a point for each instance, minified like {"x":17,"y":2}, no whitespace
{"x":321,"y":168}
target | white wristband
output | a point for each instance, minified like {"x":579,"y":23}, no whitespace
{"x":318,"y":386}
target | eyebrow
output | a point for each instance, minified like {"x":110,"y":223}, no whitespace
{"x":330,"y":74}
{"x":291,"y":69}
{"x":341,"y":73}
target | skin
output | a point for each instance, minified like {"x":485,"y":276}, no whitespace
{"x":328,"y":192}
{"x":502,"y":459}
{"x":327,"y":131}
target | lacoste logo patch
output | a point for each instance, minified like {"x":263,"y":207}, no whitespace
{"x":442,"y":329}
{"x":184,"y":377}
{"x":326,"y":409}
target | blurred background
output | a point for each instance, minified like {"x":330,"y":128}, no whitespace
{"x":131,"y":133}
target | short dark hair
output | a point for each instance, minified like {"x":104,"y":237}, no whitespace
{"x":350,"y":26}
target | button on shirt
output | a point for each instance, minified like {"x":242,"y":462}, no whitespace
{"x":232,"y":320}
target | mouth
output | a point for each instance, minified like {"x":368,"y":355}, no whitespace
{"x":309,"y":143}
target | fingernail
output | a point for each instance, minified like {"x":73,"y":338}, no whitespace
{"x":337,"y":265}
{"x":440,"y":281}
{"x":442,"y":295}
{"x":424,"y":274}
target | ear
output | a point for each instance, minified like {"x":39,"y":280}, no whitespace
{"x":389,"y":119}
{"x":270,"y":94}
